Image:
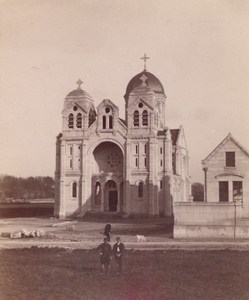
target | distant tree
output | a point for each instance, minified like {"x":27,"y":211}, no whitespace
{"x":26,"y":188}
{"x":198,"y":191}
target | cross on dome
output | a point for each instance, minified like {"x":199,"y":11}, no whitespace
{"x":145,"y":57}
{"x":79,"y":82}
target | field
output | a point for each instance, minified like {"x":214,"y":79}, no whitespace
{"x":43,"y":273}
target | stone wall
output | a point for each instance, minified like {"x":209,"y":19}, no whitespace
{"x":209,"y":220}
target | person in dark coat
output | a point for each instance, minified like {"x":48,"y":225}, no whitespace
{"x":118,"y":251}
{"x":107,"y":231}
{"x":105,"y":251}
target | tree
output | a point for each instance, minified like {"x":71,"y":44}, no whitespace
{"x":198,"y":191}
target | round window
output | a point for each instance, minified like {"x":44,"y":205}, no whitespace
{"x":107,"y":110}
{"x":140,"y":105}
{"x":75,"y":108}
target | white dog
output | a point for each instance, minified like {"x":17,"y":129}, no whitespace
{"x":141,"y":238}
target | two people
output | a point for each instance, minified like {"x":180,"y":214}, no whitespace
{"x":105,"y":252}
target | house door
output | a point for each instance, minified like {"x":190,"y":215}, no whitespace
{"x":113,"y":200}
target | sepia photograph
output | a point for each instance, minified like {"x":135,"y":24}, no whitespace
{"x":124,"y":154}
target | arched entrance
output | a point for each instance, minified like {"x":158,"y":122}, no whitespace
{"x":107,"y":178}
{"x":111,"y":196}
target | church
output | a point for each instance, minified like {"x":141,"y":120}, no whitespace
{"x":136,"y":166}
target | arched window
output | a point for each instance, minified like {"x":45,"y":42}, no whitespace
{"x":145,"y":118}
{"x":110,"y":122}
{"x":74,"y":190}
{"x":136,"y":118}
{"x":79,"y":120}
{"x":104,"y":122}
{"x":70,"y":121}
{"x":140,"y":189}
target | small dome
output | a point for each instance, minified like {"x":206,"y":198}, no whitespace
{"x":151,"y":81}
{"x":78,"y":93}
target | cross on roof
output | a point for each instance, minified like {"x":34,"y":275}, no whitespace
{"x":79,"y":82}
{"x":145,"y":57}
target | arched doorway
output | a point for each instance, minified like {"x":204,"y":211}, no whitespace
{"x":111,"y":196}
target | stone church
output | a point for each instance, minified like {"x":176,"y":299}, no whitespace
{"x":106,"y":164}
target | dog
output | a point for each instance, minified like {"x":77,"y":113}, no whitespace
{"x":141,"y":238}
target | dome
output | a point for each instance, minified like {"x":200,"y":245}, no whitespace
{"x":151,"y":81}
{"x":78,"y":93}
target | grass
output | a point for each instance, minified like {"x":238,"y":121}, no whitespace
{"x":52,"y":273}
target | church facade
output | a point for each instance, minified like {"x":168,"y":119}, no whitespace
{"x":134,"y":166}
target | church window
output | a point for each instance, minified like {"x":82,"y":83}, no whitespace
{"x":107,"y":110}
{"x":140,"y":105}
{"x":161,"y":184}
{"x":70,"y":163}
{"x":75,"y":108}
{"x":140,"y":189}
{"x":79,"y":120}
{"x":136,"y":118}
{"x":161,"y":150}
{"x":136,"y":149}
{"x":136,"y":161}
{"x":70,"y":121}
{"x":145,"y":118}
{"x":223,"y":191}
{"x":145,"y":149}
{"x":110,"y":122}
{"x":161,"y":162}
{"x":74,"y":190}
{"x":104,"y":122}
{"x":230,"y":159}
{"x":70,"y":147}
{"x":237,"y":190}
{"x":145,"y":161}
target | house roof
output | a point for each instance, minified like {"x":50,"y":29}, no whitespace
{"x":229,"y":137}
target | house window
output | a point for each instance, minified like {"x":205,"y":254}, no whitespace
{"x":237,"y":190}
{"x":74,"y":190}
{"x":230,"y":159}
{"x":79,"y":120}
{"x":70,"y":121}
{"x":145,"y":118}
{"x":223,"y":191}
{"x":136,"y":118}
{"x":140,"y":189}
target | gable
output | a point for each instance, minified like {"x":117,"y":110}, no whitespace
{"x":234,"y":145}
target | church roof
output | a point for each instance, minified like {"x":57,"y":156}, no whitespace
{"x":174,"y":134}
{"x":151,"y":81}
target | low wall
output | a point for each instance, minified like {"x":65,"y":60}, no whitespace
{"x":208,"y":220}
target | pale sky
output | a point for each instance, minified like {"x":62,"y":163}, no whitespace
{"x":199,"y":50}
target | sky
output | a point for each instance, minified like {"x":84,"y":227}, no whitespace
{"x":198,"y":50}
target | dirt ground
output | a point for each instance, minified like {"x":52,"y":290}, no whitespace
{"x":88,"y":233}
